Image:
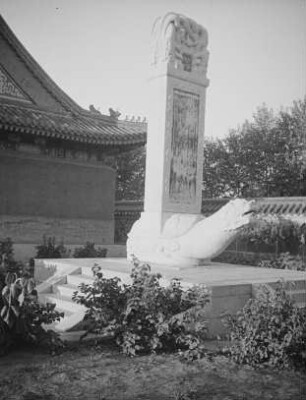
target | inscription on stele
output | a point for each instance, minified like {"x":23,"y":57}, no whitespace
{"x":184,"y":147}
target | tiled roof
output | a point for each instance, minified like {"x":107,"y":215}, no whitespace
{"x":282,"y":205}
{"x":32,"y":65}
{"x":73,"y":123}
{"x":75,"y":127}
{"x":267,"y":205}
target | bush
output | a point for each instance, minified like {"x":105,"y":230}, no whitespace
{"x":49,"y":249}
{"x":143,"y":316}
{"x":89,"y":251}
{"x":22,"y":317}
{"x":273,"y":234}
{"x":285,"y":261}
{"x":242,"y":258}
{"x":7,"y":261}
{"x":269,"y":330}
{"x":6,"y":250}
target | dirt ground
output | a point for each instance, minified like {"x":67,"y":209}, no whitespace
{"x":102,"y":373}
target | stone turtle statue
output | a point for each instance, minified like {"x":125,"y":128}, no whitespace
{"x":189,"y":240}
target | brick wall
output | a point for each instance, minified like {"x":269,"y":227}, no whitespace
{"x":71,"y":201}
{"x":25,"y":229}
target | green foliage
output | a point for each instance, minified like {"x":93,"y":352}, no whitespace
{"x":184,"y":390}
{"x":285,"y":261}
{"x":7,"y":261}
{"x":270,"y":241}
{"x":89,"y":251}
{"x":262,"y":158}
{"x":8,"y":264}
{"x":33,"y":316}
{"x":144,"y":316}
{"x":239,"y":257}
{"x":131,"y":175}
{"x":6,"y":250}
{"x":5,"y":338}
{"x":269,"y":330}
{"x":275,"y":235}
{"x":21,"y":316}
{"x":49,"y":249}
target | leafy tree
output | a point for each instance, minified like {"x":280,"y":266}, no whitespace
{"x":130,"y":175}
{"x":293,"y":126}
{"x":264,"y":157}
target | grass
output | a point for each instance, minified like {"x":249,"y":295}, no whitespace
{"x":102,"y":373}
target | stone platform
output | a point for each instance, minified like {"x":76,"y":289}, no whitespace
{"x":231,"y":285}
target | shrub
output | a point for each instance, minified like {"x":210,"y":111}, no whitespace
{"x":49,"y":249}
{"x":6,"y":250}
{"x":244,"y":258}
{"x":143,"y":316}
{"x":269,"y":330}
{"x":22,"y":317}
{"x":285,"y":261}
{"x":7,"y":261}
{"x":89,"y":251}
{"x":274,"y":234}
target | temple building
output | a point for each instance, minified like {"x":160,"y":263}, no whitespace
{"x":57,"y":160}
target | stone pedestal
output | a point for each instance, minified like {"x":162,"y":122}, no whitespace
{"x":177,"y":87}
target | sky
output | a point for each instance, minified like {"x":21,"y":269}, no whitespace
{"x":98,"y":51}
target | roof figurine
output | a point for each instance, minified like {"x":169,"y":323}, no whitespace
{"x":114,"y":114}
{"x":93,"y":109}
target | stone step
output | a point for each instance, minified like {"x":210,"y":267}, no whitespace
{"x":63,"y":303}
{"x":77,"y":279}
{"x":108,"y":274}
{"x":109,"y":271}
{"x":73,"y":313}
{"x":66,"y":290}
{"x":68,"y":323}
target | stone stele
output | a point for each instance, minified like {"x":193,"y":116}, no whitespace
{"x":171,"y":230}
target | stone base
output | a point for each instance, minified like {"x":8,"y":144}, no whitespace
{"x":231,"y":286}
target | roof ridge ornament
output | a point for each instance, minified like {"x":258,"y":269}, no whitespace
{"x":136,"y":119}
{"x":114,"y":114}
{"x":93,"y":109}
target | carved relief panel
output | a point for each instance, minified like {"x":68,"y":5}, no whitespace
{"x":9,"y":89}
{"x":181,"y":43}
